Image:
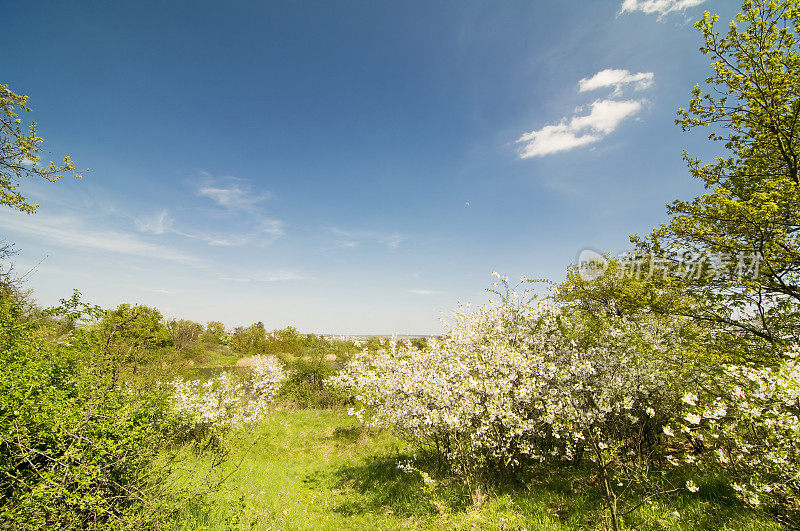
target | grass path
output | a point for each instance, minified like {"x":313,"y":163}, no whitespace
{"x":318,"y":469}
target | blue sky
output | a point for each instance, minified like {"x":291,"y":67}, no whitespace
{"x":348,"y":166}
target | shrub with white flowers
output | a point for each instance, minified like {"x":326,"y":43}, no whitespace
{"x":748,"y":424}
{"x":228,"y":400}
{"x":522,"y":381}
{"x":266,"y":377}
{"x":519,"y":381}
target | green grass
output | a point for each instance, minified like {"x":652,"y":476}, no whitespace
{"x":208,"y":355}
{"x":318,"y":469}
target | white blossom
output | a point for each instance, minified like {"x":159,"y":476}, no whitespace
{"x":693,"y":418}
{"x":509,"y":383}
{"x":752,"y":430}
{"x":227,"y":400}
{"x":690,"y":399}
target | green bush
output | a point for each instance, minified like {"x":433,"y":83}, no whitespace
{"x":78,"y":447}
{"x":306,"y":385}
{"x":185,"y":334}
{"x":133,"y":336}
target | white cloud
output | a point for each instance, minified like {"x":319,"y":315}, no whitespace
{"x":606,"y":115}
{"x":618,"y":79}
{"x":393,"y":241}
{"x":662,"y":7}
{"x":231,"y":192}
{"x":71,"y":233}
{"x":278,"y":276}
{"x":604,"y":118}
{"x":424,"y":292}
{"x":268,"y":231}
{"x":345,"y":244}
{"x":157,"y":224}
{"x":350,"y":239}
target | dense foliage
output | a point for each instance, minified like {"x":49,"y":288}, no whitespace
{"x":77,"y":448}
{"x":749,"y":216}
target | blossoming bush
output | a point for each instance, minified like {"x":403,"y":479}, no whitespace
{"x":520,"y":381}
{"x":266,"y":378}
{"x":748,"y":424}
{"x":227,"y":400}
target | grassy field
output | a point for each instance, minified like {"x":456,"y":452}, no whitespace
{"x":318,"y":469}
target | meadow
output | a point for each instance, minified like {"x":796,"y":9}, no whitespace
{"x":313,"y":433}
{"x":321,"y":469}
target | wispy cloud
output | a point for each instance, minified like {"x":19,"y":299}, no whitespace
{"x":156,"y":224}
{"x":424,"y":292}
{"x":345,"y":244}
{"x":662,"y":7}
{"x":393,"y":240}
{"x":618,"y":79}
{"x":262,"y":230}
{"x":604,"y":117}
{"x":231,"y":192}
{"x":73,"y":234}
{"x":267,"y":231}
{"x":347,"y":239}
{"x":278,"y":276}
{"x":240,"y":202}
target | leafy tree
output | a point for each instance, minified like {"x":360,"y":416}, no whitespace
{"x":185,"y":334}
{"x":289,"y":341}
{"x":215,"y":332}
{"x":20,"y":153}
{"x":78,"y":448}
{"x":618,"y":289}
{"x":307,"y":384}
{"x":250,"y":340}
{"x":746,"y":232}
{"x":134,"y":335}
{"x":751,"y":104}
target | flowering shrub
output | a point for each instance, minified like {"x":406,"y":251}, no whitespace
{"x":226,"y":400}
{"x":267,"y":377}
{"x":520,"y":381}
{"x":750,"y":427}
